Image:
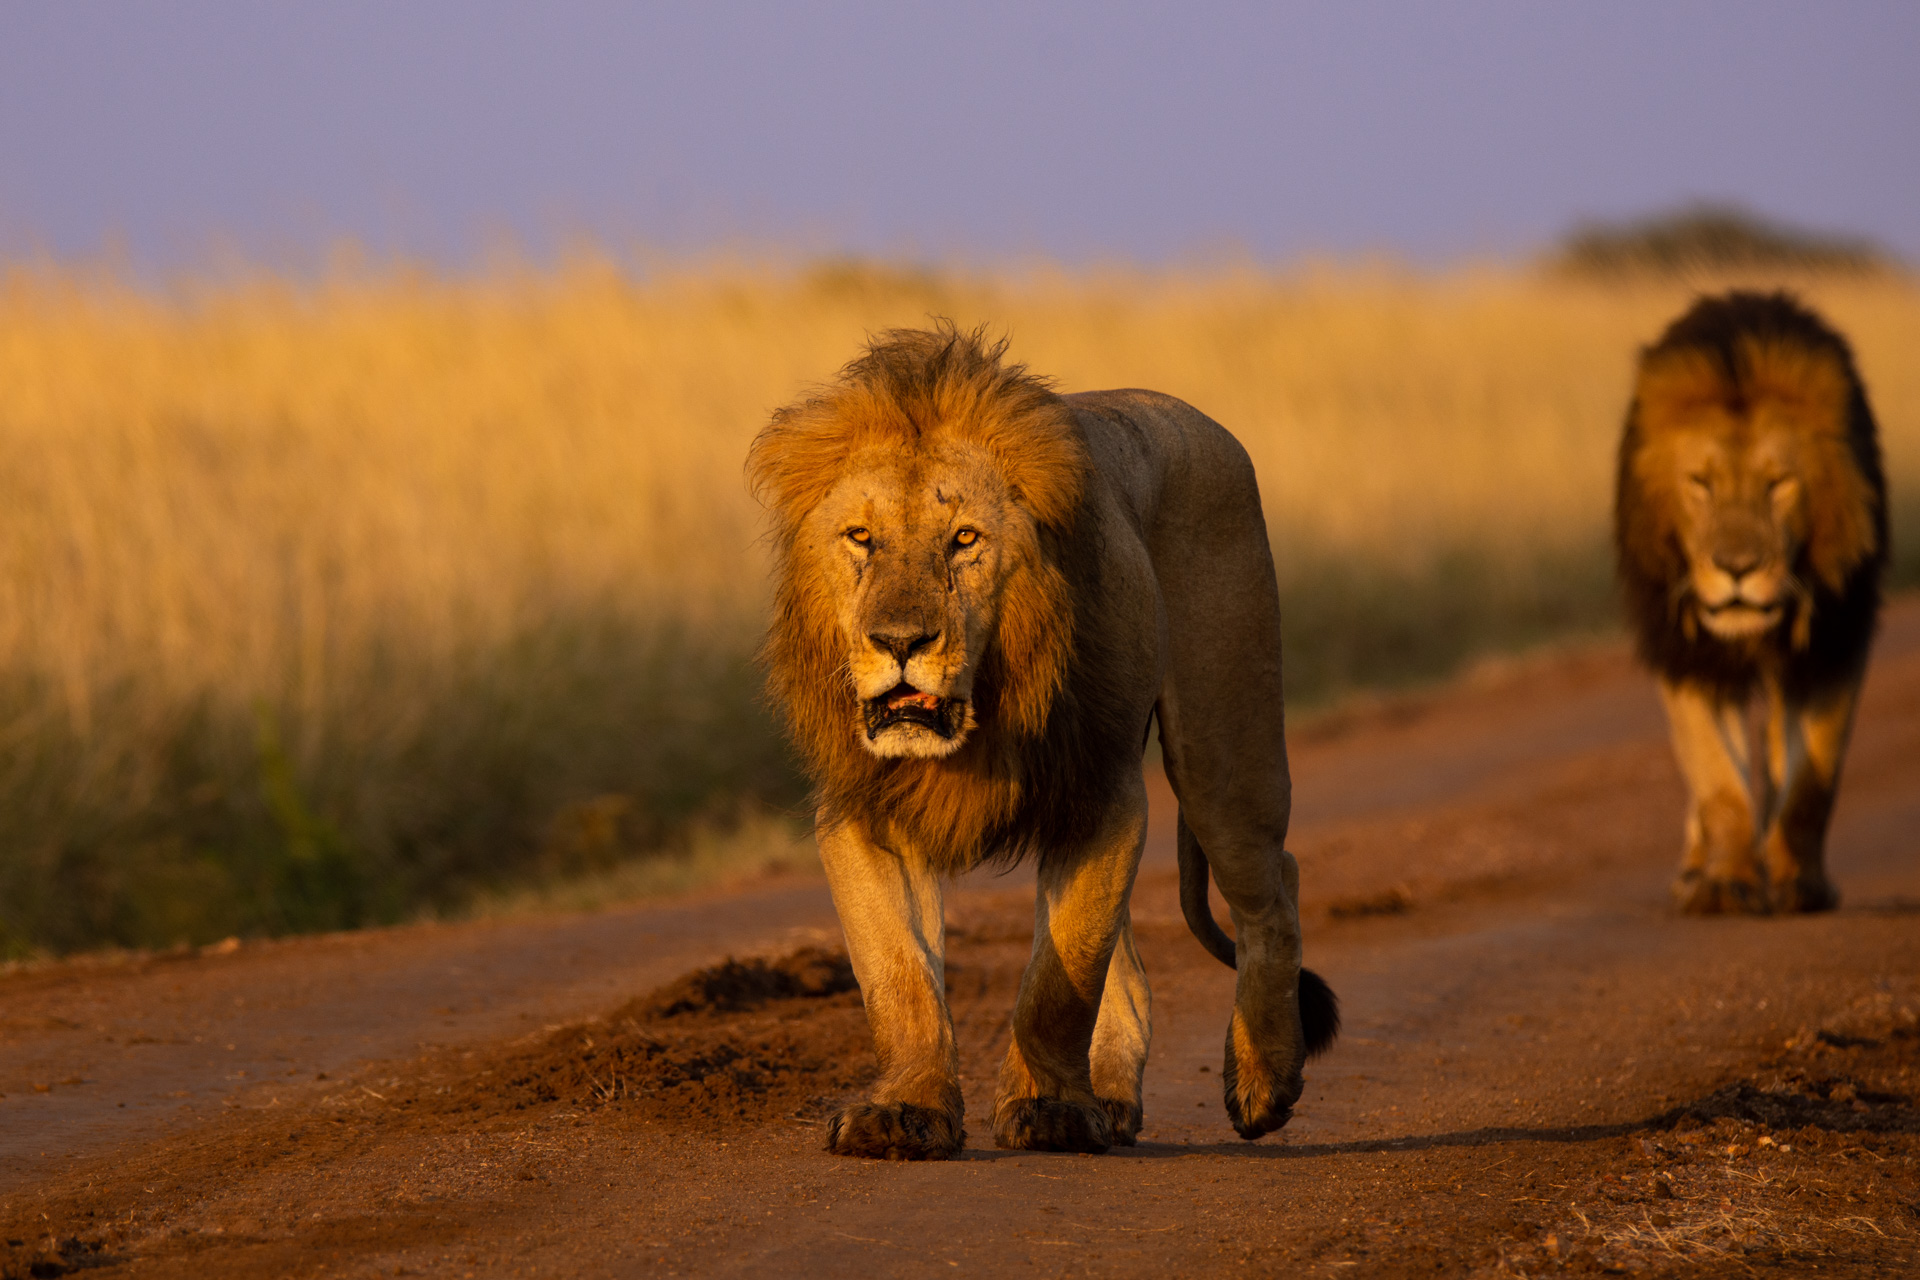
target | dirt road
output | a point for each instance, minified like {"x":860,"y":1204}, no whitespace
{"x":1542,"y":1070}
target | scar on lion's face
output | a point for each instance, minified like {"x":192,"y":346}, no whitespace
{"x":920,"y":549}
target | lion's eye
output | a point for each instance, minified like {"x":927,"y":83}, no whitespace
{"x":860,"y":536}
{"x":966,"y":538}
{"x":1701,"y":483}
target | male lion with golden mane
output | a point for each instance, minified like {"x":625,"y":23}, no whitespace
{"x":985,"y":592}
{"x":1751,"y":526}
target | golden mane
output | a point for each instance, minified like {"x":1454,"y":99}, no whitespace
{"x":1037,"y":697}
{"x":1729,"y":356}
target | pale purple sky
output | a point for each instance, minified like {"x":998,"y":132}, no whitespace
{"x":981,"y":130}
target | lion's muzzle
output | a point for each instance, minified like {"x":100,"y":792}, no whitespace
{"x":1740,"y":605}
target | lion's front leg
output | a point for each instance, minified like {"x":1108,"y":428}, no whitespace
{"x":890,"y":911}
{"x":1720,"y":866}
{"x":1047,"y":1099}
{"x":1805,"y":745}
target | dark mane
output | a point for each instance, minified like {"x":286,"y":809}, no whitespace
{"x":1758,"y":345}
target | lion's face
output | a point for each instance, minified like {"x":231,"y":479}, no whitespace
{"x":1744,"y":462}
{"x":915,"y":551}
{"x":1742,"y":520}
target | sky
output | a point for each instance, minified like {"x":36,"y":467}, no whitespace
{"x":984,"y":131}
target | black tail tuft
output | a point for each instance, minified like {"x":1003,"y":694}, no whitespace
{"x":1319,"y":1012}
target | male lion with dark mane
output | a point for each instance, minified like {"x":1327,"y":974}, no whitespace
{"x":1751,"y":526}
{"x":985,"y":592}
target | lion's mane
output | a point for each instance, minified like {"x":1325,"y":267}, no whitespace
{"x":1050,"y":743}
{"x":1736,"y":350}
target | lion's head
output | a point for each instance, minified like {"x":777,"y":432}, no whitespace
{"x":1749,"y":490}
{"x":923,"y":505}
{"x":916,"y":547}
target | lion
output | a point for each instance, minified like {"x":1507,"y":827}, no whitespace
{"x":986,"y":592}
{"x":1751,"y":529}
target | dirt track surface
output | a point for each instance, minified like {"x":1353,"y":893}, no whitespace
{"x":1542,"y":1070}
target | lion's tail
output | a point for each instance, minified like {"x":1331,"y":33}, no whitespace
{"x":1193,"y":896}
{"x":1319,"y":1007}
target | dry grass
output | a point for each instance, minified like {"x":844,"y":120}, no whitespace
{"x":1733,"y":1211}
{"x":323,"y":602}
{"x":762,"y":847}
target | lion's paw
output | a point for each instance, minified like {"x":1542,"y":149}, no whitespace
{"x":1804,"y":894}
{"x":1259,"y":1099}
{"x":1125,"y":1116}
{"x":895,"y":1131}
{"x":1052,"y":1124}
{"x":1256,"y":1112}
{"x":1696,"y":893}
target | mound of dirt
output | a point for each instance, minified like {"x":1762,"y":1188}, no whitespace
{"x":737,"y":986}
{"x":725,"y":1049}
{"x":1835,"y":1081}
{"x":740,"y":1042}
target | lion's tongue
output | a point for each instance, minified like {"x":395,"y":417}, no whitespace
{"x":916,"y":699}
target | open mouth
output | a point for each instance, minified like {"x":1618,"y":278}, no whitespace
{"x":904,"y":704}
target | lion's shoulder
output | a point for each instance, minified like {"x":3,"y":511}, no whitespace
{"x":1166,"y":456}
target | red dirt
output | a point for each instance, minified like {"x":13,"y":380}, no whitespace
{"x":1543,"y":1069}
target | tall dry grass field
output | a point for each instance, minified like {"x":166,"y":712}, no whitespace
{"x":330,"y":603}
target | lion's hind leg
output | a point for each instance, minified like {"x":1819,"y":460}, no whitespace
{"x":1268,"y":1038}
{"x":1121,"y":1038}
{"x":1720,"y":867}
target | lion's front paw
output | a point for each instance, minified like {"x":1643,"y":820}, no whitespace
{"x":895,"y":1131}
{"x":1696,"y":893}
{"x":1803,"y":893}
{"x":1125,"y":1116}
{"x":1051,"y":1124}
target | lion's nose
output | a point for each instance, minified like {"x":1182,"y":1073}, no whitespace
{"x":902,"y":644}
{"x":1737,"y":564}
